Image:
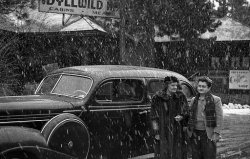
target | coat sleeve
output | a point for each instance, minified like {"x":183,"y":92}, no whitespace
{"x":190,"y":121}
{"x":192,"y":102}
{"x":219,"y":114}
{"x":185,"y":110}
{"x":154,"y":114}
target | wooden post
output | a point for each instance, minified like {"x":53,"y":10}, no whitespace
{"x":122,"y":32}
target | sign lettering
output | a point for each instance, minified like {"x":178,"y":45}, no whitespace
{"x":239,"y":79}
{"x":104,"y":8}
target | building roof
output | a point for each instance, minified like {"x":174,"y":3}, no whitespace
{"x":229,"y":30}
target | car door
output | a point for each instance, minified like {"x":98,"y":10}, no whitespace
{"x":117,"y":104}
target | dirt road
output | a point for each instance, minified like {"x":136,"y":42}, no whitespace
{"x":235,"y":143}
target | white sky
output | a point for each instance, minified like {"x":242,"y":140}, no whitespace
{"x":217,"y":4}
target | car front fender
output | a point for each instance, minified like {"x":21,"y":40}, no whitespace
{"x":33,"y":152}
{"x":12,"y":137}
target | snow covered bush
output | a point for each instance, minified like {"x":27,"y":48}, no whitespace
{"x":235,"y":106}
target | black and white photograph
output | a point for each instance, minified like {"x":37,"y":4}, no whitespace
{"x":124,"y":79}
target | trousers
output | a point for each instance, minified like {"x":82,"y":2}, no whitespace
{"x":202,"y":146}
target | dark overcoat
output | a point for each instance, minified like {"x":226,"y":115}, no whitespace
{"x":172,"y":143}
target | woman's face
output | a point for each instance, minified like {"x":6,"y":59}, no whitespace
{"x":172,"y":87}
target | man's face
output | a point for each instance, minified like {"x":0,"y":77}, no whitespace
{"x":203,"y":87}
{"x":172,"y":87}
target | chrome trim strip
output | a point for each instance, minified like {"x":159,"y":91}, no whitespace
{"x":72,"y":111}
{"x":56,"y":83}
{"x":40,"y":84}
{"x":27,"y":121}
{"x":30,"y":115}
{"x":150,"y":155}
{"x":123,"y":109}
{"x":48,"y":122}
{"x":119,"y":106}
{"x":24,"y":119}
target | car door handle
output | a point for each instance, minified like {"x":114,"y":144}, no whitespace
{"x":144,"y":112}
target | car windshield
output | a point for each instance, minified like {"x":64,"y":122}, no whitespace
{"x":68,"y":85}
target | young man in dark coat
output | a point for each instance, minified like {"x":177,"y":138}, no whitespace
{"x":205,"y":121}
{"x":169,"y":116}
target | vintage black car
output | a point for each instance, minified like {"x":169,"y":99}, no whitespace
{"x":98,"y":111}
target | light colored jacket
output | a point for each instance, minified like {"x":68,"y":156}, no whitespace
{"x":219,"y":118}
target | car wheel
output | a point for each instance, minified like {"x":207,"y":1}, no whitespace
{"x":68,"y":134}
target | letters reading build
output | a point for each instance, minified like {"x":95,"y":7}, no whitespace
{"x":90,"y":4}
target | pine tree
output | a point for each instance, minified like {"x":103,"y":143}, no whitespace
{"x":237,"y":9}
{"x":18,"y":7}
{"x":186,"y":20}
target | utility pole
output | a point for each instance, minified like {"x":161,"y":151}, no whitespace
{"x":224,"y":8}
{"x":122,"y":31}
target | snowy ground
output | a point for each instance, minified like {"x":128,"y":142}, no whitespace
{"x":235,"y":142}
{"x":227,"y":112}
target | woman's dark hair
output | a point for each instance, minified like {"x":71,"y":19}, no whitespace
{"x":206,"y":79}
{"x":171,"y":79}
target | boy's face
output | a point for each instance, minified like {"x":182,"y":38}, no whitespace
{"x":203,"y":87}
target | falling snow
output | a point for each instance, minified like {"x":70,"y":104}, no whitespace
{"x":192,"y":38}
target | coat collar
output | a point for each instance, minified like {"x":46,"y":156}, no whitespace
{"x":208,"y":97}
{"x":163,"y":94}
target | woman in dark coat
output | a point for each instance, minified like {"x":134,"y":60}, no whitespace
{"x":169,"y":116}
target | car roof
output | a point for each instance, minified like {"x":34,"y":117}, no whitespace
{"x":119,"y":71}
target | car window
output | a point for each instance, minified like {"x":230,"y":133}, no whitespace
{"x":70,"y":85}
{"x":120,"y":90}
{"x":48,"y":84}
{"x":104,"y":93}
{"x":187,"y":90}
{"x":154,"y":86}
